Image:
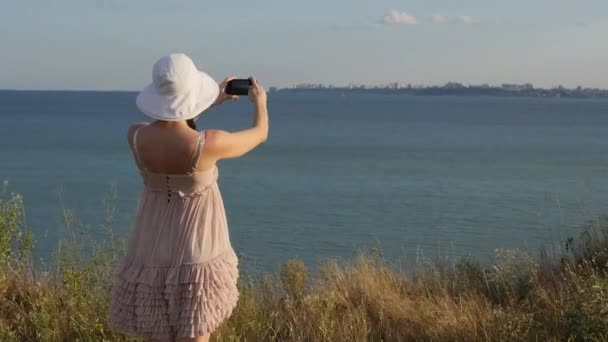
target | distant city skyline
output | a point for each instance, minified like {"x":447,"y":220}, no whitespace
{"x":455,"y":89}
{"x":399,"y":85}
{"x":112,"y":44}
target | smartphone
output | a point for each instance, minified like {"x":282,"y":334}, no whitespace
{"x":238,"y":87}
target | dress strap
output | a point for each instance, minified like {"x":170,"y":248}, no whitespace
{"x":198,"y":149}
{"x":135,"y":151}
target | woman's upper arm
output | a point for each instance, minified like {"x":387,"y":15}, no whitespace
{"x":226,"y":145}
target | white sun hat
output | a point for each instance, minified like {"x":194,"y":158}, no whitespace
{"x":179,"y":91}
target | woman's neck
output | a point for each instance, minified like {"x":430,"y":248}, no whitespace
{"x":171,"y":124}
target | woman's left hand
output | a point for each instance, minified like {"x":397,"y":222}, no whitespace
{"x":222,"y":97}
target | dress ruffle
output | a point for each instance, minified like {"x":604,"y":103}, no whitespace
{"x":189,"y":300}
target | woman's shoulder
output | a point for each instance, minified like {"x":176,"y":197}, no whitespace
{"x":213,"y":137}
{"x":136,"y":125}
{"x":133,"y":128}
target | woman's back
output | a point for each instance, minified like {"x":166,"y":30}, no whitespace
{"x":162,"y":149}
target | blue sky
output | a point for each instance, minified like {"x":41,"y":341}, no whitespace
{"x":112,"y":44}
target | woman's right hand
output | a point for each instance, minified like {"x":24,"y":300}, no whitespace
{"x":257,"y":94}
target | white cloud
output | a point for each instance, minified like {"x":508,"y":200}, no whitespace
{"x":439,"y":18}
{"x":396,"y":17}
{"x":465,"y":19}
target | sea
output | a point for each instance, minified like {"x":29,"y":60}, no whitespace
{"x":412,"y":178}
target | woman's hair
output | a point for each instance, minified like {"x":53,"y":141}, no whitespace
{"x":191,"y":124}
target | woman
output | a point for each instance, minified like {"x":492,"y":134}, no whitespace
{"x":178,"y":278}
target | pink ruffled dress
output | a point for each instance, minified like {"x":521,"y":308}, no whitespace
{"x":179,"y":275}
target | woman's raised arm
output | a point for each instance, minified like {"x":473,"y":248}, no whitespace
{"x":225,"y":145}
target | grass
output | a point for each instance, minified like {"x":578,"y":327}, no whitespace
{"x":556,"y":298}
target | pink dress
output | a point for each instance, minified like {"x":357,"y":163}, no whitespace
{"x":179,"y":275}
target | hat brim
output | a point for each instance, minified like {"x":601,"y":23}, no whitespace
{"x":179,"y":107}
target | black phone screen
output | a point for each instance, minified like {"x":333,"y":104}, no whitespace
{"x":238,"y":87}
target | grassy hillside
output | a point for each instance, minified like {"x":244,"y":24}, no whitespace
{"x":558,"y":297}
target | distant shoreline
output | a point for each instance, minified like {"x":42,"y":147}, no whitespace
{"x":455,"y":89}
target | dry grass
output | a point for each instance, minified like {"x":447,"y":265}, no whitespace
{"x":564,"y":297}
